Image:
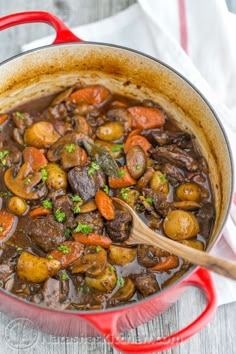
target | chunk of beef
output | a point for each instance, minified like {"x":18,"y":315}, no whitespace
{"x":50,"y":295}
{"x":83,"y":184}
{"x":174,"y":174}
{"x":159,"y":137}
{"x":64,"y":203}
{"x":121,"y":115}
{"x":149,"y":256}
{"x":176,"y":156}
{"x":7,"y":262}
{"x":59,"y":111}
{"x":14,"y":157}
{"x":93,"y":219}
{"x":161,"y":206}
{"x":205,"y":217}
{"x":47,"y":233}
{"x":22,"y":120}
{"x":146,"y":283}
{"x":119,"y":228}
{"x":5,"y":271}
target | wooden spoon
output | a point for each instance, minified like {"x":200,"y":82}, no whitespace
{"x":142,"y":234}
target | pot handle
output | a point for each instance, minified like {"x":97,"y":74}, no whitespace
{"x":107,"y":324}
{"x":63,"y":34}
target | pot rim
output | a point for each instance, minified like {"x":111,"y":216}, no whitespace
{"x":219,"y":234}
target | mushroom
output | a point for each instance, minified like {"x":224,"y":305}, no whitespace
{"x":41,"y":135}
{"x":93,"y":261}
{"x":121,"y":255}
{"x":125,"y":292}
{"x":106,"y":281}
{"x":25,"y":183}
{"x":54,"y":153}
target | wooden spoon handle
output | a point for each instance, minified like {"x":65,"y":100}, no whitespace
{"x":204,"y":259}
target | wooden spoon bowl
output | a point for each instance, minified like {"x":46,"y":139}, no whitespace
{"x":142,"y":234}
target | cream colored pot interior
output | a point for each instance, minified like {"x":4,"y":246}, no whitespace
{"x":51,"y":69}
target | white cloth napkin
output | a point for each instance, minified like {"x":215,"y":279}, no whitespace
{"x":197,"y":38}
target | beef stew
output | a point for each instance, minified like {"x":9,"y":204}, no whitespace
{"x":62,"y":238}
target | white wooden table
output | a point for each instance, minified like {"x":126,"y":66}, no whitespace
{"x":216,"y":338}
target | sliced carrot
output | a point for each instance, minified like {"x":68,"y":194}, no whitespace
{"x":92,"y":239}
{"x":125,"y":180}
{"x":34,"y":157}
{"x":137,"y":140}
{"x":105,"y":205}
{"x":7,"y":221}
{"x":146,"y":117}
{"x":92,"y":95}
{"x":83,"y":157}
{"x":134,"y":132}
{"x":169,"y":262}
{"x":3,"y":118}
{"x":67,"y":252}
{"x":119,"y":104}
{"x":40,"y":211}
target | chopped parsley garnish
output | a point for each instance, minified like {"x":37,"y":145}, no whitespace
{"x":76,"y":198}
{"x":3,"y":154}
{"x":149,"y":200}
{"x":49,"y":257}
{"x":121,"y":281}
{"x":111,"y":269}
{"x":117,"y":147}
{"x":27,"y":181}
{"x":121,"y":173}
{"x":44,"y":174}
{"x":125,"y":194}
{"x":47,"y":204}
{"x":76,"y":209}
{"x":84,"y":228}
{"x":106,"y":189}
{"x":70,"y":148}
{"x":67,"y":233}
{"x":19,"y":249}
{"x":64,"y":276}
{"x":138,"y":167}
{"x":1,"y":229}
{"x":20,"y":115}
{"x":59,"y":215}
{"x":98,"y":248}
{"x":5,"y":194}
{"x":94,"y":167}
{"x":63,"y":249}
{"x":162,"y":178}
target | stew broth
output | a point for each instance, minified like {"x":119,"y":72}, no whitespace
{"x":62,"y":160}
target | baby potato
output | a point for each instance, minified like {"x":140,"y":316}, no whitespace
{"x":198,"y":245}
{"x":110,"y":131}
{"x":36,"y":269}
{"x":56,"y":177}
{"x":41,"y":135}
{"x":188,"y":191}
{"x":121,"y":255}
{"x":105,"y":282}
{"x":159,"y":183}
{"x":17,"y":205}
{"x":180,"y":225}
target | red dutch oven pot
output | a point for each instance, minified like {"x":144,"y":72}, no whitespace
{"x":52,"y":68}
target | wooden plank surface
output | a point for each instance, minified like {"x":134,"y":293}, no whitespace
{"x":218,"y":336}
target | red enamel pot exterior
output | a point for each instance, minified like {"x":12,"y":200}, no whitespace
{"x":110,"y":323}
